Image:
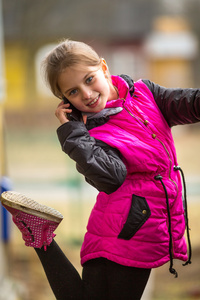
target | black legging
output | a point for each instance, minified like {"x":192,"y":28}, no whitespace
{"x":101,"y":279}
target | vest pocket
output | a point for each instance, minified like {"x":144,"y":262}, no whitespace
{"x":138,"y":215}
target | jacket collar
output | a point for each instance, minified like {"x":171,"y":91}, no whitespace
{"x":121,"y":85}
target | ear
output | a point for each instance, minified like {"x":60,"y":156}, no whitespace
{"x":104,"y":67}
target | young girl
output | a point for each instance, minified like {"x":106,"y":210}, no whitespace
{"x":119,"y":133}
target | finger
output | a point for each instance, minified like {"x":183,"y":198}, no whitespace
{"x":61,"y":103}
{"x":64,"y":105}
{"x":61,"y":114}
{"x":62,"y":111}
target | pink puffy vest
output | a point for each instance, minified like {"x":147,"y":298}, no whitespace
{"x":115,"y":230}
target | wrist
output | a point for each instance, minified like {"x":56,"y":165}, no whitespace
{"x":64,"y":121}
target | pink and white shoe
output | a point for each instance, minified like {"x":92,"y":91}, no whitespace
{"x":36,"y":222}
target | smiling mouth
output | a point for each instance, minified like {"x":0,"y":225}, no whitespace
{"x":93,"y":101}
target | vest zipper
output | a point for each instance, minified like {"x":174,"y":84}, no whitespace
{"x":138,"y":119}
{"x":161,"y":144}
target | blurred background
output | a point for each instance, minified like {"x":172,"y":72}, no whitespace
{"x":154,"y":39}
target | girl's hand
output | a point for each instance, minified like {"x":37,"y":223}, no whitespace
{"x":62,"y":111}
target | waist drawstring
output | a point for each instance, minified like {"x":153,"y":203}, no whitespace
{"x":178,"y":168}
{"x":171,"y":269}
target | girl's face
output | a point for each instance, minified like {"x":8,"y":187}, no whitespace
{"x":86,"y":87}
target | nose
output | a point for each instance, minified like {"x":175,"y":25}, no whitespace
{"x":86,"y":93}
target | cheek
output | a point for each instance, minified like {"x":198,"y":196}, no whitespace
{"x":76,"y":103}
{"x":105,"y":88}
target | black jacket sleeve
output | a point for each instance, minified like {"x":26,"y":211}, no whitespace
{"x":178,"y":106}
{"x":98,"y":162}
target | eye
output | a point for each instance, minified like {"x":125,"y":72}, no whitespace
{"x":73,"y":92}
{"x":89,"y":79}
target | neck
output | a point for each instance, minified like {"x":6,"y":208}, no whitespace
{"x":114,"y":94}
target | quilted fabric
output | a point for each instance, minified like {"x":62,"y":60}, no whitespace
{"x":130,"y":226}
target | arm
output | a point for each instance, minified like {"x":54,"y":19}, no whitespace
{"x":97,"y":161}
{"x":178,"y":106}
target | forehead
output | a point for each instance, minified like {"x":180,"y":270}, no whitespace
{"x":72,"y":76}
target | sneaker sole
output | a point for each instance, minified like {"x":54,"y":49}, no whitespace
{"x":29,"y":206}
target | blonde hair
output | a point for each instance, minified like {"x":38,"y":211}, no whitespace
{"x":67,"y":54}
